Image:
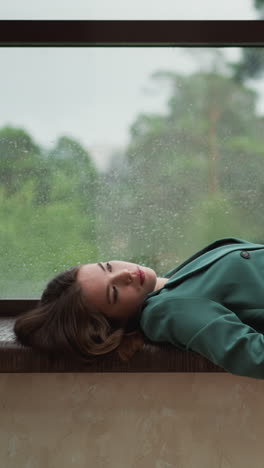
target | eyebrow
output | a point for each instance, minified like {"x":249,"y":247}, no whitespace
{"x":107,"y":287}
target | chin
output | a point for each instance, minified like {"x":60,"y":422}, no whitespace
{"x":151,"y":278}
{"x":152,"y":272}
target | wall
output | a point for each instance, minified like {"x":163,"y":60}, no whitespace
{"x":114,"y":420}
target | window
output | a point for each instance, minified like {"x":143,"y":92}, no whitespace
{"x":126,"y":10}
{"x":110,"y":150}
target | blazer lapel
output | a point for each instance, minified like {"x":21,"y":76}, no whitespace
{"x":210,"y":253}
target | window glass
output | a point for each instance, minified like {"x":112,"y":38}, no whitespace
{"x":141,"y":154}
{"x":130,"y":10}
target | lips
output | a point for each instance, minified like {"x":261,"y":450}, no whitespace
{"x":141,"y":276}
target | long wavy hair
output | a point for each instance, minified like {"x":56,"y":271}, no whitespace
{"x":63,"y":324}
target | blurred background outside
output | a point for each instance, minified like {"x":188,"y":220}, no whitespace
{"x":141,"y":154}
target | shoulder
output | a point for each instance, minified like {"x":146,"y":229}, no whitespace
{"x":217,"y":245}
{"x":168,"y":318}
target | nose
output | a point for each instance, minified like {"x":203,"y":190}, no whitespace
{"x":123,"y":276}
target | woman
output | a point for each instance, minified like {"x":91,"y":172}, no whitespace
{"x":213,"y":304}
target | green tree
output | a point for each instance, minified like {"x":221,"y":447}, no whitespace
{"x":19,"y":156}
{"x":259,"y":5}
{"x":251,"y":63}
{"x":193,"y":174}
{"x":47,"y":216}
{"x":74,"y":174}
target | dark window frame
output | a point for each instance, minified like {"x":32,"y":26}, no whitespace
{"x":130,"y":33}
{"x":73,"y":33}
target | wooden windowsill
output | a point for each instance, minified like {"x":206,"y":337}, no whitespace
{"x":152,"y":358}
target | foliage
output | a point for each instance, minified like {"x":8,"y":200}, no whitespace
{"x":251,"y":63}
{"x":47,"y":210}
{"x":259,"y":5}
{"x":187,"y":177}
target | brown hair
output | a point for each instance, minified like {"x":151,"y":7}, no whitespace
{"x":62,"y":322}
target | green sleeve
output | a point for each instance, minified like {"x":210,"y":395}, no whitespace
{"x":210,"y":329}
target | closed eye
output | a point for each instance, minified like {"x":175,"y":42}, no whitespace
{"x":115,"y":293}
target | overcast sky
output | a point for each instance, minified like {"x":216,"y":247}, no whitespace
{"x":128,"y":9}
{"x":95,"y":94}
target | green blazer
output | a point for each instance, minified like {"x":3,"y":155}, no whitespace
{"x":213,"y":304}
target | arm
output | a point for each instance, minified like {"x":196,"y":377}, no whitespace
{"x":231,"y":344}
{"x":210,"y":329}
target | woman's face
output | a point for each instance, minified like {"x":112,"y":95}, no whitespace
{"x":116,"y":288}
